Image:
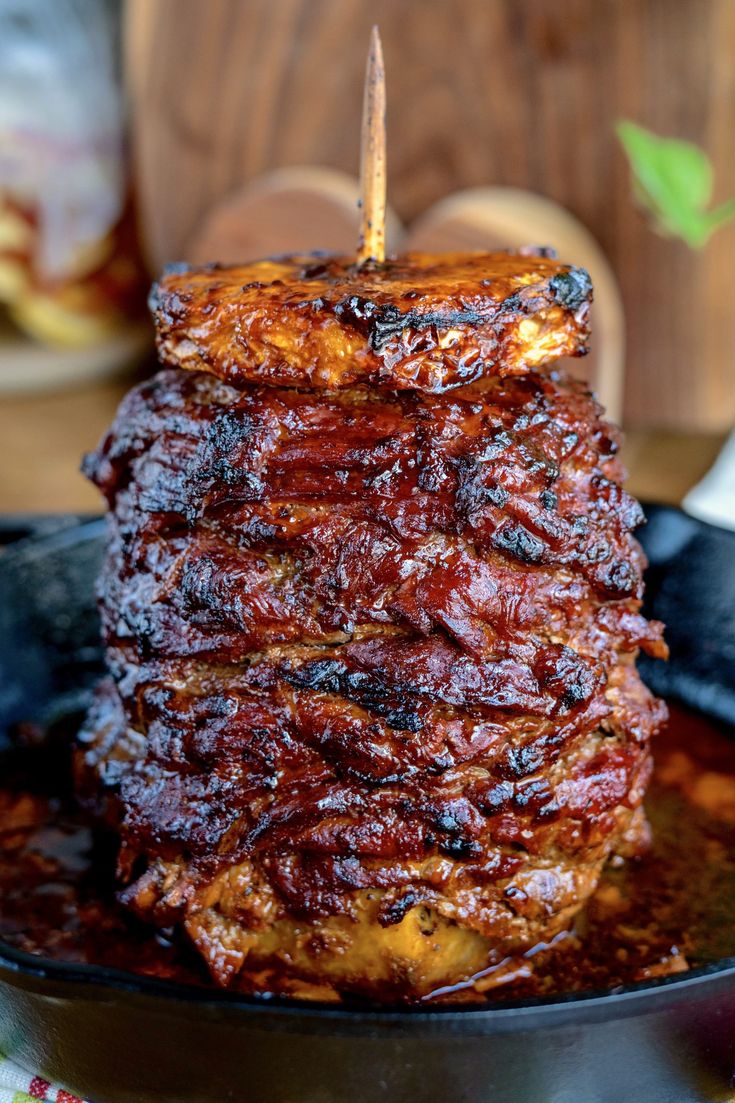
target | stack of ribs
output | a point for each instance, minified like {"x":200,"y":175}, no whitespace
{"x":371,"y":604}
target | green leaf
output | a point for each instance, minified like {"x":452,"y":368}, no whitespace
{"x":722,"y":214}
{"x":674,"y":180}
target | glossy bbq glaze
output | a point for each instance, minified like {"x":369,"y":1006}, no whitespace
{"x":374,"y":707}
{"x":371,"y":604}
{"x":420,"y":321}
{"x":664,"y":912}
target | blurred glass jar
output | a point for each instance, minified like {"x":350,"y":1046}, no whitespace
{"x":71,"y":278}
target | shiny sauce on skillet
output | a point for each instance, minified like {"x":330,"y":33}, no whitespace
{"x":664,"y":913}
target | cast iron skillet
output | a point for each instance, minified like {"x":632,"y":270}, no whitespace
{"x":118,"y":1038}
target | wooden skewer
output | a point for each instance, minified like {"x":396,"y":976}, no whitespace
{"x":372,"y":157}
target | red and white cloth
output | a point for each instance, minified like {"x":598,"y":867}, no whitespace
{"x":19,"y":1086}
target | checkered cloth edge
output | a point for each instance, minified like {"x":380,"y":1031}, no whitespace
{"x":19,"y":1086}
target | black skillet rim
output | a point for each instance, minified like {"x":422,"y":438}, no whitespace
{"x":638,"y":998}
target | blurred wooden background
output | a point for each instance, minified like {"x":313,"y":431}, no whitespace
{"x":505,"y":92}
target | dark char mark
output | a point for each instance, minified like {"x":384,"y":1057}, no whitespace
{"x":381,"y":323}
{"x":572,"y":288}
{"x":332,"y":676}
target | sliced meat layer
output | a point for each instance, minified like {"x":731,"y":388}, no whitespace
{"x":310,"y":321}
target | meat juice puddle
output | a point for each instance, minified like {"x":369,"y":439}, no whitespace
{"x":664,"y":913}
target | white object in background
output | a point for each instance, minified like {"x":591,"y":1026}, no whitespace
{"x":713,"y":499}
{"x":61,"y":123}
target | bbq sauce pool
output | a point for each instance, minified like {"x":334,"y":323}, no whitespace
{"x":667,"y":912}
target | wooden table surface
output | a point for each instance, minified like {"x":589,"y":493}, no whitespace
{"x":43,"y":437}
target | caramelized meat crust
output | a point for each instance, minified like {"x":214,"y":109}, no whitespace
{"x":373,"y":719}
{"x":250,"y":518}
{"x":259,"y":841}
{"x":311,"y":321}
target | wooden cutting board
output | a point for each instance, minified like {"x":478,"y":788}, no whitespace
{"x":509,"y":93}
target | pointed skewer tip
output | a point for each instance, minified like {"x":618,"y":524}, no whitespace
{"x":372,"y":157}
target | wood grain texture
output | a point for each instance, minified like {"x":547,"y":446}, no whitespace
{"x":290,"y":210}
{"x":511,"y":92}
